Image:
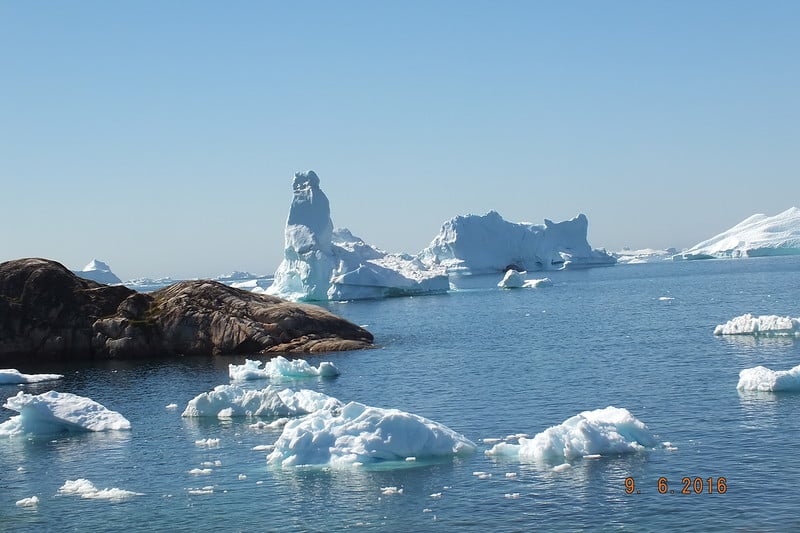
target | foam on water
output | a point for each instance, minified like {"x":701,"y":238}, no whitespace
{"x":363,"y":434}
{"x":279,"y":368}
{"x":227,"y":401}
{"x":588,"y":434}
{"x":55,"y":412}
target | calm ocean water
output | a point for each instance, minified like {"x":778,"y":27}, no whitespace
{"x":486,"y":363}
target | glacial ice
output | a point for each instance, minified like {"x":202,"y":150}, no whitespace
{"x":280,"y":368}
{"x":10,"y":376}
{"x":763,"y":379}
{"x":33,"y":501}
{"x":358,"y":434}
{"x":488,"y":244}
{"x":55,"y":412}
{"x":606,"y":431}
{"x":626,"y":256}
{"x":514,"y":280}
{"x":322,"y":264}
{"x":228,"y":401}
{"x":98,"y":271}
{"x":756,"y":236}
{"x":86,"y":489}
{"x":767,"y":325}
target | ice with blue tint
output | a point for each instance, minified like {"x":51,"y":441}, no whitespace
{"x":280,"y":368}
{"x":768,"y":325}
{"x":763,"y":379}
{"x":11,"y":376}
{"x":612,"y":430}
{"x":56,"y":412}
{"x":360,"y":435}
{"x":228,"y":401}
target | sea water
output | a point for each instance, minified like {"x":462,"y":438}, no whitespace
{"x":487,"y":363}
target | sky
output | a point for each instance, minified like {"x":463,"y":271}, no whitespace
{"x":162,"y":137}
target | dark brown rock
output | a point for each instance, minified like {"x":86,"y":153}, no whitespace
{"x":48,"y":313}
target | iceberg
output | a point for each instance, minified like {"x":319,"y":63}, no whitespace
{"x":228,"y":401}
{"x":626,"y":256}
{"x":515,"y":280}
{"x":99,"y":272}
{"x":10,"y":376}
{"x":280,"y":368}
{"x":606,"y":431}
{"x":322,"y":264}
{"x":55,"y":412}
{"x":86,"y":489}
{"x":766,"y":325}
{"x":756,"y":236}
{"x":763,"y":379}
{"x":359,"y":434}
{"x":488,"y":244}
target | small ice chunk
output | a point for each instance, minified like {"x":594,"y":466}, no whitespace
{"x":511,"y":475}
{"x":511,"y":495}
{"x":665,"y":298}
{"x":562,"y":467}
{"x":242,"y":477}
{"x":11,"y":376}
{"x":411,"y":459}
{"x":763,"y":379}
{"x":767,"y":325}
{"x":209,"y":489}
{"x":436,"y":495}
{"x":200,"y":471}
{"x":172,"y":406}
{"x":33,"y":501}
{"x":536,"y":283}
{"x":592,"y":456}
{"x":391,"y":490}
{"x":263,"y":448}
{"x":86,"y":489}
{"x":207,"y":443}
{"x":512,"y":279}
{"x":280,"y":368}
{"x":491,"y":440}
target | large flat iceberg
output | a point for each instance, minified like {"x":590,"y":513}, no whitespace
{"x":766,"y":325}
{"x":11,"y":376}
{"x":359,"y":434}
{"x":487,"y":244}
{"x":606,"y":431}
{"x":755,"y":236}
{"x":227,"y":401}
{"x":763,"y":379}
{"x":55,"y":412}
{"x":280,"y":368}
{"x":322,"y":264}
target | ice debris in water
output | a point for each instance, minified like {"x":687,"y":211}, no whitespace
{"x":391,"y":490}
{"x":280,"y":368}
{"x":358,"y":433}
{"x":514,"y":280}
{"x":11,"y":376}
{"x":172,"y":406}
{"x":748,"y":324}
{"x":33,"y":501}
{"x":227,"y":401}
{"x":207,"y":443}
{"x":55,"y":412}
{"x":591,"y":433}
{"x":763,"y":379}
{"x":86,"y":489}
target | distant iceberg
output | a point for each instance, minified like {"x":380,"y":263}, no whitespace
{"x":55,"y":412}
{"x":228,"y":401}
{"x":280,"y":368}
{"x":606,"y":431}
{"x":322,"y":264}
{"x":10,"y":376}
{"x":99,"y":272}
{"x":755,"y":236}
{"x":626,"y":256}
{"x":767,"y":325}
{"x":763,"y":379}
{"x":359,"y":434}
{"x":488,"y":244}
{"x":516,"y":280}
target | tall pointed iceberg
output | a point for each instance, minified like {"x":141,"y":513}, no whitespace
{"x":322,"y":264}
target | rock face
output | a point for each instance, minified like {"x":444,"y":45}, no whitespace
{"x":48,"y":313}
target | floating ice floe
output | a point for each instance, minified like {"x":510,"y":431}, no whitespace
{"x":359,"y":434}
{"x":768,"y":325}
{"x":33,"y":501}
{"x":11,"y":376}
{"x":600,"y":432}
{"x":515,"y":280}
{"x":487,"y":244}
{"x":755,"y":236}
{"x":280,"y":368}
{"x":55,"y":412}
{"x":763,"y":379}
{"x":86,"y":489}
{"x":322,"y":264}
{"x":227,"y":401}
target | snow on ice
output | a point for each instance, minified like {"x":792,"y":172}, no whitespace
{"x":769,"y":325}
{"x":591,"y":433}
{"x":280,"y":368}
{"x":358,"y":434}
{"x":227,"y":401}
{"x":54,"y":412}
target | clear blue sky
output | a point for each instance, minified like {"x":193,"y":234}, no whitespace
{"x":162,"y":137}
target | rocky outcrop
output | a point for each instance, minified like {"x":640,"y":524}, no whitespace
{"x":48,"y":313}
